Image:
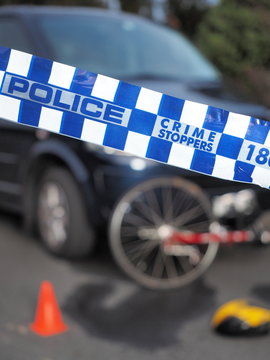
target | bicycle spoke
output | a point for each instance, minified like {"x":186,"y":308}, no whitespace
{"x":136,"y":220}
{"x":182,"y":202}
{"x":201,"y":226}
{"x":170,"y":266}
{"x":130,"y":241}
{"x":152,"y":201}
{"x":127,"y":231}
{"x":188,"y":216}
{"x":167,"y":201}
{"x":148,"y":212}
{"x":145,"y":259}
{"x":141,"y":251}
{"x":158,"y":267}
{"x":184,"y":264}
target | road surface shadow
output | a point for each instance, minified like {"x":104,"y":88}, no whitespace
{"x":262,"y":292}
{"x":145,"y":319}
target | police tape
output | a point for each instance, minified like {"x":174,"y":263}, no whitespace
{"x":95,"y":108}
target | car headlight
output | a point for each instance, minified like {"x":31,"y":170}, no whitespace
{"x":241,"y":202}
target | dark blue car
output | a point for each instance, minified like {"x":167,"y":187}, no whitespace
{"x":68,"y":189}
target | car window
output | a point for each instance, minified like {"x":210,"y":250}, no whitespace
{"x":13,"y":35}
{"x":124,"y":47}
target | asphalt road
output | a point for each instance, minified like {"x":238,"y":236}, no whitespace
{"x":110,"y":317}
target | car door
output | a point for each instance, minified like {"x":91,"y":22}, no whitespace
{"x":15,"y":140}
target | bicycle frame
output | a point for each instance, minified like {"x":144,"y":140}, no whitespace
{"x":223,"y":237}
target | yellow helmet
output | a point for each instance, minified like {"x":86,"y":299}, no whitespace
{"x":239,"y":317}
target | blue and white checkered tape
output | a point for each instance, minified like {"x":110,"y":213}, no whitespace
{"x":105,"y":111}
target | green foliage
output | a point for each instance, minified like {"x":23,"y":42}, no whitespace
{"x":189,"y":14}
{"x":135,"y":6}
{"x":250,"y":3}
{"x":235,"y":35}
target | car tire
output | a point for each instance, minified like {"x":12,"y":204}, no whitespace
{"x":140,"y":224}
{"x":61,"y":215}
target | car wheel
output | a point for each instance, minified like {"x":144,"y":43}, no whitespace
{"x":61,"y":216}
{"x":142,"y":221}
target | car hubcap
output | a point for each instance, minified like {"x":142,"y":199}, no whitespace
{"x":53,"y":214}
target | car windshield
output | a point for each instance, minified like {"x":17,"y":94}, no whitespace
{"x":124,"y":48}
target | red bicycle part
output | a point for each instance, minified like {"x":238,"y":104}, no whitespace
{"x":227,"y":237}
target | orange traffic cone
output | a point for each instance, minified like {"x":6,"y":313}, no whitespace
{"x":48,"y":320}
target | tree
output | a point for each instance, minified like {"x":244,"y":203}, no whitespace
{"x":189,"y":14}
{"x":235,"y":36}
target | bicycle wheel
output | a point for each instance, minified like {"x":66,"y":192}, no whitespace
{"x":143,"y":220}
